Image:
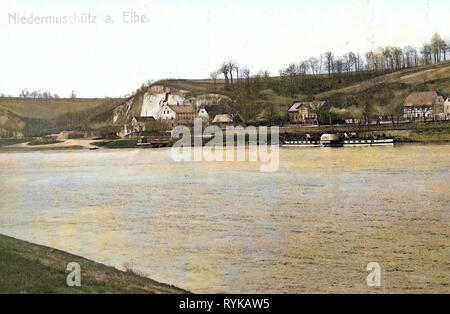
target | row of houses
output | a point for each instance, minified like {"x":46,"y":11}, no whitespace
{"x":417,"y":106}
{"x":176,"y":115}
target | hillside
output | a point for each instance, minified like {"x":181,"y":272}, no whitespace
{"x":263,"y":99}
{"x":47,"y":109}
{"x":31,"y":268}
{"x":439,"y":73}
{"x":35,"y":117}
{"x":257,"y":99}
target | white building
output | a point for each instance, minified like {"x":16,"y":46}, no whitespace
{"x":447,"y":109}
{"x":178,"y":115}
{"x":203,"y":114}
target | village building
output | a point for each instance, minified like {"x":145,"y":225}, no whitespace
{"x":422,"y":105}
{"x":305,"y":112}
{"x":203,"y":114}
{"x":138,"y":124}
{"x":447,"y":109}
{"x":178,"y":115}
{"x":222,"y":119}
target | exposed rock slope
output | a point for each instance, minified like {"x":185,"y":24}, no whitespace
{"x":150,"y":102}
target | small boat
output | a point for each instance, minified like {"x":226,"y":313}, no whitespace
{"x":93,"y":148}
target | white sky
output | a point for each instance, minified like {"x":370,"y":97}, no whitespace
{"x":190,"y":38}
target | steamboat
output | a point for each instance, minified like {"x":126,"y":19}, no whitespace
{"x":338,"y":140}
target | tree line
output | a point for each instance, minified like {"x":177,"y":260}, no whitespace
{"x":37,"y":94}
{"x":318,"y":74}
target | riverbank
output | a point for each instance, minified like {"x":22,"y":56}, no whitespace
{"x":31,"y":268}
{"x":420,"y":132}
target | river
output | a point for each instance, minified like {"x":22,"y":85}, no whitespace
{"x":312,"y":226}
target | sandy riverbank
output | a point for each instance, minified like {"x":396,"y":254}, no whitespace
{"x":61,"y":144}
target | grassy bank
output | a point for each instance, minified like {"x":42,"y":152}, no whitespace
{"x":11,"y":141}
{"x":31,"y":268}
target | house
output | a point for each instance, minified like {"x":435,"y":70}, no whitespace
{"x":305,"y":112}
{"x":178,"y":115}
{"x":223,"y":119}
{"x":447,"y":109}
{"x":203,"y":114}
{"x":422,"y":105}
{"x":138,"y":124}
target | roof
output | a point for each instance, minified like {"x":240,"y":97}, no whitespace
{"x":421,"y":99}
{"x":181,"y":109}
{"x":222,"y":118}
{"x":314,"y":105}
{"x":144,"y":119}
{"x":203,"y":113}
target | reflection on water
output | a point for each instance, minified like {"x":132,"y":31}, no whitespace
{"x":225,"y":227}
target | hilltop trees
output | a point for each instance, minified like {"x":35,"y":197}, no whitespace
{"x":300,"y":77}
{"x":214,"y":76}
{"x":37,"y":94}
{"x":314,"y":75}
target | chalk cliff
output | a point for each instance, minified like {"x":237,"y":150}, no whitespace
{"x":150,"y":102}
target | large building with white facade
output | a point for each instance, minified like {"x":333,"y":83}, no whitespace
{"x":422,"y":105}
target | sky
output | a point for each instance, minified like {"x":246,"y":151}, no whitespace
{"x":191,"y":38}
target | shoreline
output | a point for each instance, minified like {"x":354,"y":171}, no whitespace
{"x":64,"y":147}
{"x":35,"y":269}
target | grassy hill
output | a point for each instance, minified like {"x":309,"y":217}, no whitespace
{"x":384,"y":92}
{"x":30,"y":268}
{"x":47,"y":108}
{"x":36,"y":117}
{"x":425,"y":75}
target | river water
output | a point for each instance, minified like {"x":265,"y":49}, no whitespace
{"x":312,"y":226}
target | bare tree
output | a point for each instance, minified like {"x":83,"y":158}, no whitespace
{"x":314,"y":65}
{"x":24,"y":93}
{"x":224,"y":69}
{"x":397,"y":55}
{"x":426,"y":53}
{"x":444,"y":46}
{"x":246,"y":75}
{"x":231,"y":67}
{"x":339,"y":66}
{"x":214,"y":76}
{"x":436,"y":42}
{"x":329,"y":61}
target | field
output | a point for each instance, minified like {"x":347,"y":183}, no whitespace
{"x":30,"y":268}
{"x":47,"y":109}
{"x":38,"y":117}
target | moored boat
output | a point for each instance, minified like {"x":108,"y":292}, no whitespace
{"x":336,"y":140}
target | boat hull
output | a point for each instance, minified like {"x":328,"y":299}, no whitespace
{"x":344,"y":143}
{"x":369,"y":142}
